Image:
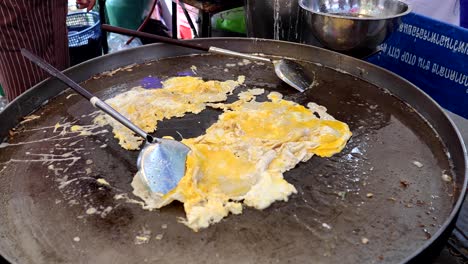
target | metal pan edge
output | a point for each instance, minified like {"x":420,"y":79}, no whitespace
{"x":427,"y":108}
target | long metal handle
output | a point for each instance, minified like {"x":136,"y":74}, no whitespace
{"x":96,"y":102}
{"x":139,"y":34}
{"x":237,"y":54}
{"x":56,"y":73}
{"x":176,"y":42}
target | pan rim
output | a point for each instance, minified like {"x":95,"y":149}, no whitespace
{"x":447,"y":222}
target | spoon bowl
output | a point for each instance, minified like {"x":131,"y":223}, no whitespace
{"x":162,"y":164}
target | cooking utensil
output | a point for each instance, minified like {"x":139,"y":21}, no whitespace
{"x":350,"y":25}
{"x":161,"y":161}
{"x":393,"y":125}
{"x":289,"y":71}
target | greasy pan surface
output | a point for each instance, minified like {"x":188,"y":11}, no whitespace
{"x":54,"y":211}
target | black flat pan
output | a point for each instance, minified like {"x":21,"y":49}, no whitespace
{"x":54,"y":211}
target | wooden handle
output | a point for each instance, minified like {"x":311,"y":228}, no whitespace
{"x":139,"y":34}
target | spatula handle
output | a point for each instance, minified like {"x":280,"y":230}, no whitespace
{"x":140,"y":34}
{"x":56,"y":73}
{"x":96,"y":102}
{"x":176,"y":42}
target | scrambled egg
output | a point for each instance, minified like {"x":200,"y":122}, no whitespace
{"x":145,"y":107}
{"x":240,"y":160}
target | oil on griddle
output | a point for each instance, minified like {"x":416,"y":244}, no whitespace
{"x":376,"y":201}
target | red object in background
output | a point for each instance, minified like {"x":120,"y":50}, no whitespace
{"x":185,"y":32}
{"x":163,"y":13}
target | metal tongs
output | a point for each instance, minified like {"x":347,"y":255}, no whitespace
{"x":161,"y":162}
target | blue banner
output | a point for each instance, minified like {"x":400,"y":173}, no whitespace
{"x":434,"y":56}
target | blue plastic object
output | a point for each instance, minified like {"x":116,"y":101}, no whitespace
{"x":82,"y":27}
{"x":434,"y":56}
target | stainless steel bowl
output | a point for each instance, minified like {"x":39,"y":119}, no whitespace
{"x":351,"y":25}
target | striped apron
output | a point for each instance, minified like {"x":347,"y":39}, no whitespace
{"x":39,"y":26}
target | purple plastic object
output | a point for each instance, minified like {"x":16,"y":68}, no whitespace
{"x":151,"y":83}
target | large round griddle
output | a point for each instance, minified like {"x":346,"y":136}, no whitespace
{"x":48,"y":182}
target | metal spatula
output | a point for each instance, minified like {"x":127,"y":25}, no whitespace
{"x":161,"y":161}
{"x":288,"y":71}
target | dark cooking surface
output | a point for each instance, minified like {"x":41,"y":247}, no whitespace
{"x":49,"y":186}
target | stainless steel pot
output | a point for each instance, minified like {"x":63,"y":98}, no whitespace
{"x":351,"y":25}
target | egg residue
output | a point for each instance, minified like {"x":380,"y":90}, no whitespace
{"x":241,"y":158}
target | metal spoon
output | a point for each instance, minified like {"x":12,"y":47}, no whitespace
{"x":161,"y":161}
{"x":289,"y":71}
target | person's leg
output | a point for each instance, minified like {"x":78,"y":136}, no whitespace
{"x":39,"y":26}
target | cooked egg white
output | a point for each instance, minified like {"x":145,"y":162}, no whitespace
{"x":241,"y":158}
